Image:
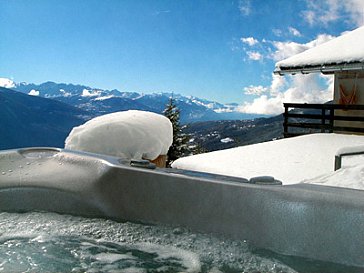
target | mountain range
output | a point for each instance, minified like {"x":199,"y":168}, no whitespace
{"x":98,"y":101}
{"x":27,"y":121}
{"x":43,"y":115}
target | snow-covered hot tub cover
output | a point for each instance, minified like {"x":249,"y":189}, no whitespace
{"x":128,"y":134}
{"x":345,"y":52}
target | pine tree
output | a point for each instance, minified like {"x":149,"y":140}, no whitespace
{"x":179,"y":146}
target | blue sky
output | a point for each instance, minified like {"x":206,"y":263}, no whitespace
{"x":214,"y":49}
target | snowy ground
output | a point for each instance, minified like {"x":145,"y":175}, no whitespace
{"x":308,"y":159}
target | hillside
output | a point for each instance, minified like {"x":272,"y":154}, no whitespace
{"x":217,"y":135}
{"x":27,"y":121}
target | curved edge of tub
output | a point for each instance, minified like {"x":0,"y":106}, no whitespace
{"x":311,"y":221}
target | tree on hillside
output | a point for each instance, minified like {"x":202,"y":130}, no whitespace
{"x":179,"y":146}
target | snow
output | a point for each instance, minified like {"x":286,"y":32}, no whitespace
{"x":343,"y":49}
{"x":128,"y":134}
{"x":306,"y":159}
{"x":346,"y":177}
{"x":7,"y":83}
{"x":104,"y":98}
{"x":350,"y":150}
{"x":90,"y":93}
{"x":226,"y":140}
{"x":34,"y":92}
{"x":65,"y":93}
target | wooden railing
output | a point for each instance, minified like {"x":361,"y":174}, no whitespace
{"x":320,"y":118}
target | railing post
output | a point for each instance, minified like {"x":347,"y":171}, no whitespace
{"x":323,"y":121}
{"x":337,"y":162}
{"x":332,"y":113}
{"x":285,"y":122}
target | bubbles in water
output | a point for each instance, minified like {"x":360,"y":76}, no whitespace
{"x":48,"y":242}
{"x":78,"y":254}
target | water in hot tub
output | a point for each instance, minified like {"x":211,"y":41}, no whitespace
{"x":49,"y":242}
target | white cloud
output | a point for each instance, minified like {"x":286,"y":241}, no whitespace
{"x":255,"y":90}
{"x":306,"y":88}
{"x":161,"y":12}
{"x":311,"y":88}
{"x":277,"y":32}
{"x":245,"y":7}
{"x":7,"y":83}
{"x":294,"y":31}
{"x":263,"y":105}
{"x":321,"y":12}
{"x":34,"y":92}
{"x":279,"y":50}
{"x":309,"y":16}
{"x":356,"y":10}
{"x":328,"y":11}
{"x":298,"y":88}
{"x":320,"y":39}
{"x":289,"y":32}
{"x":287,"y":49}
{"x":249,"y":40}
{"x":277,"y":84}
{"x":254,"y":55}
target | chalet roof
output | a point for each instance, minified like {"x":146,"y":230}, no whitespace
{"x":343,"y":53}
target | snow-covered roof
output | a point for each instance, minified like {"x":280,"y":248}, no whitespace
{"x":308,"y":159}
{"x":343,"y":53}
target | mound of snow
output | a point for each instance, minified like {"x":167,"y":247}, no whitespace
{"x":128,"y":134}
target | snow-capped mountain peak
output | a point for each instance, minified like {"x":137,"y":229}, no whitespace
{"x":7,"y":83}
{"x":90,"y":93}
{"x":98,"y":101}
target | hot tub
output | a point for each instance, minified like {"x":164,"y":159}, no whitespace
{"x":310,"y":221}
